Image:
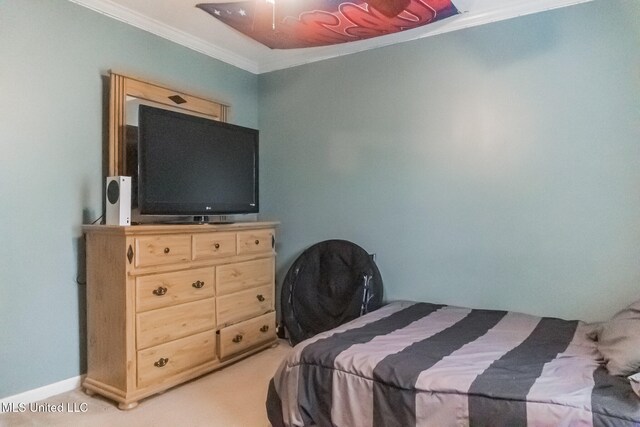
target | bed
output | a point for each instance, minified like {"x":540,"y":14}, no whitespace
{"x":420,"y":364}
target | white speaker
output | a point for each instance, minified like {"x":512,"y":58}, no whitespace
{"x":118,"y":195}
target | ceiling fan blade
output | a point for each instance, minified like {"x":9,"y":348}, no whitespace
{"x":389,"y":8}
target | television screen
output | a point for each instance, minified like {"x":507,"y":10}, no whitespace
{"x":189,"y":165}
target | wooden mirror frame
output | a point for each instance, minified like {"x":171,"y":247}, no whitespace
{"x":122,"y":86}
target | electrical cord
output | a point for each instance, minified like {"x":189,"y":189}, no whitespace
{"x":99,"y":218}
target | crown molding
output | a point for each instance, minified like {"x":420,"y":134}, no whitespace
{"x":131,"y":17}
{"x":279,"y":60}
{"x":464,"y":20}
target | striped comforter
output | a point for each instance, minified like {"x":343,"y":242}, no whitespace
{"x":418,"y":364}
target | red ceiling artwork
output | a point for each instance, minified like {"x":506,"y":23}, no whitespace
{"x":290,"y":24}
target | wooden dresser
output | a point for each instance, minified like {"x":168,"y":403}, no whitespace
{"x":167,"y":303}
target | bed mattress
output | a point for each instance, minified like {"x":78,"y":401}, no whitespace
{"x":421,"y":364}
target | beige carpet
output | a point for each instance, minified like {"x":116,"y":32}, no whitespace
{"x":231,"y":397}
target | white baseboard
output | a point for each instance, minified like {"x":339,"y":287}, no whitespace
{"x":45,"y":391}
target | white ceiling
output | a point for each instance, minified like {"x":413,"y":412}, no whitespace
{"x":181,"y":22}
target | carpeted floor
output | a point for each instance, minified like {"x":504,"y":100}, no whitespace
{"x":231,"y":397}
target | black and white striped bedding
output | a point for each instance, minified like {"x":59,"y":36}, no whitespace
{"x":419,"y":364}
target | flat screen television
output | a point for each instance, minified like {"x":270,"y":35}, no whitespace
{"x":193,"y":166}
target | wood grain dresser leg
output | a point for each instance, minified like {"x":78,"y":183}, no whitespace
{"x":127,"y":406}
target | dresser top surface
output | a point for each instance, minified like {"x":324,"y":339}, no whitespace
{"x":178,"y":228}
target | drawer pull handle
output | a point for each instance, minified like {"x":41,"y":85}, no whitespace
{"x":167,"y":250}
{"x":237,"y":339}
{"x":162,"y":362}
{"x":257,"y":242}
{"x":160,"y":291}
{"x":264,"y":328}
{"x":197,"y":284}
{"x":260,"y":297}
{"x":217,"y":246}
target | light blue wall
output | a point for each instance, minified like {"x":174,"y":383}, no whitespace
{"x":494,"y":167}
{"x":52,"y":55}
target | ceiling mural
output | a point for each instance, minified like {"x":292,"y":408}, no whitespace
{"x":290,"y":24}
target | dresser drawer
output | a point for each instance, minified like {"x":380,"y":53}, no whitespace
{"x":159,"y":250}
{"x":161,"y":362}
{"x":170,"y":323}
{"x":243,"y":275}
{"x":213,"y":245}
{"x":244,"y":305}
{"x":255,"y":241}
{"x":241,"y":336}
{"x":162,"y":290}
